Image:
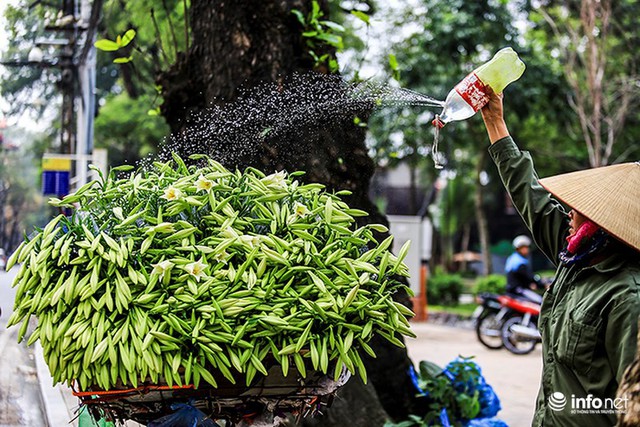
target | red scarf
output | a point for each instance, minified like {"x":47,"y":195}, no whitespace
{"x":585,"y":231}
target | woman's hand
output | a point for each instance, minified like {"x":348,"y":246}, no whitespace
{"x":493,"y":117}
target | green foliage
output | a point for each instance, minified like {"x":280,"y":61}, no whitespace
{"x":444,"y":289}
{"x":461,"y":310}
{"x":455,"y":205}
{"x":161,"y":31}
{"x":361,"y":16}
{"x":592,"y":51}
{"x":121,"y":41}
{"x":450,"y":40}
{"x":21,"y":86}
{"x":125,"y":128}
{"x":493,"y":283}
{"x":502,"y":248}
{"x":393,"y":64}
{"x":318,"y":32}
{"x":446,"y":40}
{"x":458,"y":396}
{"x":21,"y":204}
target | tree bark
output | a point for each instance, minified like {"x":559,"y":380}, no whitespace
{"x":481,"y":218}
{"x":243,"y":44}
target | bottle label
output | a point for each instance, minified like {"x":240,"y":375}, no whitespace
{"x":473,"y":91}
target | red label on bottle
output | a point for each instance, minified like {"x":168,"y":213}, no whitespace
{"x":473,"y":91}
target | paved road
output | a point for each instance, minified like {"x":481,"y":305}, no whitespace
{"x":20,"y":398}
{"x":514,"y":378}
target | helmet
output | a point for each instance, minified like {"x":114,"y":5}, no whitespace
{"x":521,"y":241}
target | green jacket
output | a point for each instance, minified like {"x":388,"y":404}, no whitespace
{"x":589,"y":314}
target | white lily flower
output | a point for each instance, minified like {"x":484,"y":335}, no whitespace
{"x":252,"y":241}
{"x":162,"y":267}
{"x":221,"y":257}
{"x":278,"y":179}
{"x":117,"y":211}
{"x":300,"y":209}
{"x":172,"y":193}
{"x":196,"y":269}
{"x":229,"y":232}
{"x":203,"y":184}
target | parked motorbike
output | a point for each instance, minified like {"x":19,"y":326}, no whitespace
{"x":520,"y":333}
{"x":507,"y":321}
{"x":489,"y":317}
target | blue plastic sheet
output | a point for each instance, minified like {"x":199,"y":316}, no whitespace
{"x":185,"y":416}
{"x":444,"y":418}
{"x":489,"y":401}
{"x":487,"y":422}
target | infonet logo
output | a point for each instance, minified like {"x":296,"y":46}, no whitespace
{"x":557,"y":401}
{"x":588,"y":405}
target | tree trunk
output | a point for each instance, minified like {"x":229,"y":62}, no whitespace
{"x":464,"y":246}
{"x":481,"y":219}
{"x":245,"y":44}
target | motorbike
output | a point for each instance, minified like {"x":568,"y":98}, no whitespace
{"x":507,"y":321}
{"x":489,"y":317}
{"x":519,"y":332}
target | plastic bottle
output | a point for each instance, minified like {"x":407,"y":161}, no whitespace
{"x":468,"y":96}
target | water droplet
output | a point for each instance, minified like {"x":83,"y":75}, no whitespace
{"x":263,"y":116}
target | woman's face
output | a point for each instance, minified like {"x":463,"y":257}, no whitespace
{"x":575,"y":220}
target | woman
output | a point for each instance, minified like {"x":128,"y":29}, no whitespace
{"x":589,"y":314}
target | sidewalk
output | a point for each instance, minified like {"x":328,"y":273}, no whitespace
{"x":515,"y":379}
{"x":60,"y":405}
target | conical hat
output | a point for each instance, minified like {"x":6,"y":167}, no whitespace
{"x":608,"y":196}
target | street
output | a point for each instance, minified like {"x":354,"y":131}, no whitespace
{"x":20,"y":397}
{"x":514,"y":378}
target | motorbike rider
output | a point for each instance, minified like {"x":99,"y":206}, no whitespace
{"x":520,"y":278}
{"x":589,"y":315}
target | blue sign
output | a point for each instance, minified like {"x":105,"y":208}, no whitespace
{"x":55,"y":183}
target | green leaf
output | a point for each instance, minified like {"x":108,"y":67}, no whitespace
{"x":333,"y":65}
{"x":299,"y":16}
{"x":331,"y":39}
{"x":106,"y":45}
{"x":332,"y":25}
{"x":361,"y":16}
{"x":127,"y":37}
{"x":122,"y":60}
{"x":123,"y":168}
{"x":393,"y":62}
{"x":429,"y":370}
{"x":314,"y":56}
{"x":315,"y":11}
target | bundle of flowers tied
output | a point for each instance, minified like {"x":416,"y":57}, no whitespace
{"x":183,"y":274}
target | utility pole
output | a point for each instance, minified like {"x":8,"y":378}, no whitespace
{"x":76,"y":24}
{"x":66,"y":25}
{"x":88,"y":17}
